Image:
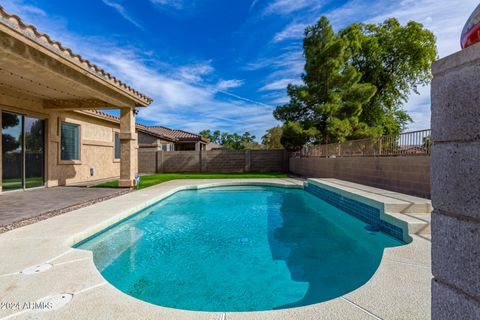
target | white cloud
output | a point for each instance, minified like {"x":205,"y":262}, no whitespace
{"x":292,"y":31}
{"x":181,"y":104}
{"x":285,"y":7}
{"x":17,"y":6}
{"x":229,"y":84}
{"x":253,"y":4}
{"x":195,"y":73}
{"x":279,"y":85}
{"x":122,"y":11}
{"x":176,"y":4}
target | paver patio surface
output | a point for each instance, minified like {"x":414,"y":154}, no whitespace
{"x":20,"y":205}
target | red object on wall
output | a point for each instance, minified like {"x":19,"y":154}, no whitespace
{"x":471,"y":31}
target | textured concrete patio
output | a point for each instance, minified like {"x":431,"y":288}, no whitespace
{"x":400,"y":288}
{"x":20,"y":206}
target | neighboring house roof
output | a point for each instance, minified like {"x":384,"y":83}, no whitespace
{"x":180,"y":135}
{"x":156,"y":131}
{"x":30,"y":32}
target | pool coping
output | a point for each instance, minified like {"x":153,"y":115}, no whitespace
{"x":410,"y":214}
{"x":58,"y":234}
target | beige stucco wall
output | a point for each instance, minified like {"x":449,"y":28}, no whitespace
{"x":97,"y":150}
{"x":97,"y":142}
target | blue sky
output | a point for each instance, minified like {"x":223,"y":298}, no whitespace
{"x":221,"y":64}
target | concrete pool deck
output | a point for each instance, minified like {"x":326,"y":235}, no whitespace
{"x":400,"y":288}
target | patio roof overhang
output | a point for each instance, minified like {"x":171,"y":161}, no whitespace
{"x":35,"y":67}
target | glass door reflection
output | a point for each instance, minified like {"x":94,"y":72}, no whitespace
{"x":34,"y":152}
{"x":12,"y":151}
{"x":23,"y":151}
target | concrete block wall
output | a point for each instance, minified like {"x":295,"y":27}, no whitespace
{"x":268,"y":160}
{"x":179,"y":161}
{"x":147,"y":160}
{"x":405,"y":174}
{"x":214,"y":161}
{"x":455,"y":182}
{"x":225,"y":161}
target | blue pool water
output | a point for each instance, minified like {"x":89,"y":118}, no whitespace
{"x":238,"y":249}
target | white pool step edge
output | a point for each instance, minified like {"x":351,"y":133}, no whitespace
{"x":412,"y":214}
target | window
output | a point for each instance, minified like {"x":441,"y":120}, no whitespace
{"x":70,"y":141}
{"x":167,"y":147}
{"x":117,"y":146}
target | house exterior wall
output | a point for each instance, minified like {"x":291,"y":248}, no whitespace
{"x":96,"y":148}
{"x":405,"y":174}
{"x":146,"y":141}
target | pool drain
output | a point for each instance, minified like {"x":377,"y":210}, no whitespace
{"x":39,"y":268}
{"x":54,"y":302}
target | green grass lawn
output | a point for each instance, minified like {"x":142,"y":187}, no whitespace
{"x":150,"y":180}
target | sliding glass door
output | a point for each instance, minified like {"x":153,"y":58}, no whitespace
{"x":34,"y":152}
{"x":23,"y":151}
{"x":12,"y":151}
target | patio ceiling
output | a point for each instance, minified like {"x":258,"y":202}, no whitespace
{"x":32,"y":66}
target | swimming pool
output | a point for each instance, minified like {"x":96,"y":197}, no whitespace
{"x":239,"y":249}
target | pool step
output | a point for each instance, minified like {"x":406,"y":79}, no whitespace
{"x":412,"y":214}
{"x":418,"y":223}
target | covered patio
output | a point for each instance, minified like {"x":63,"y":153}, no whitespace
{"x":48,"y":136}
{"x":23,"y":208}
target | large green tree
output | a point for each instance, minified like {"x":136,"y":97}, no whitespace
{"x":294,"y":136}
{"x":271,"y":138}
{"x":332,"y":97}
{"x":232,"y":141}
{"x":356,"y":81}
{"x":212,"y":136}
{"x":395,"y":59}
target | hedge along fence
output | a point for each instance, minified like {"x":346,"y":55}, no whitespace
{"x":214,"y":161}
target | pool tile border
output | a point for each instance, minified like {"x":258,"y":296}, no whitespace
{"x":359,"y":210}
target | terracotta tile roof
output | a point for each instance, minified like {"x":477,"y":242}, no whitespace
{"x":103,"y":115}
{"x":179,"y":135}
{"x":158,"y":131}
{"x":14,"y":22}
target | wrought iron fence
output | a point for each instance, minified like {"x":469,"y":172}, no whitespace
{"x":405,"y":144}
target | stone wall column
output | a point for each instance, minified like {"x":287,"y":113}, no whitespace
{"x":160,"y":156}
{"x":128,"y":148}
{"x":455,"y":186}
{"x":248,"y":161}
{"x":203,"y":160}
